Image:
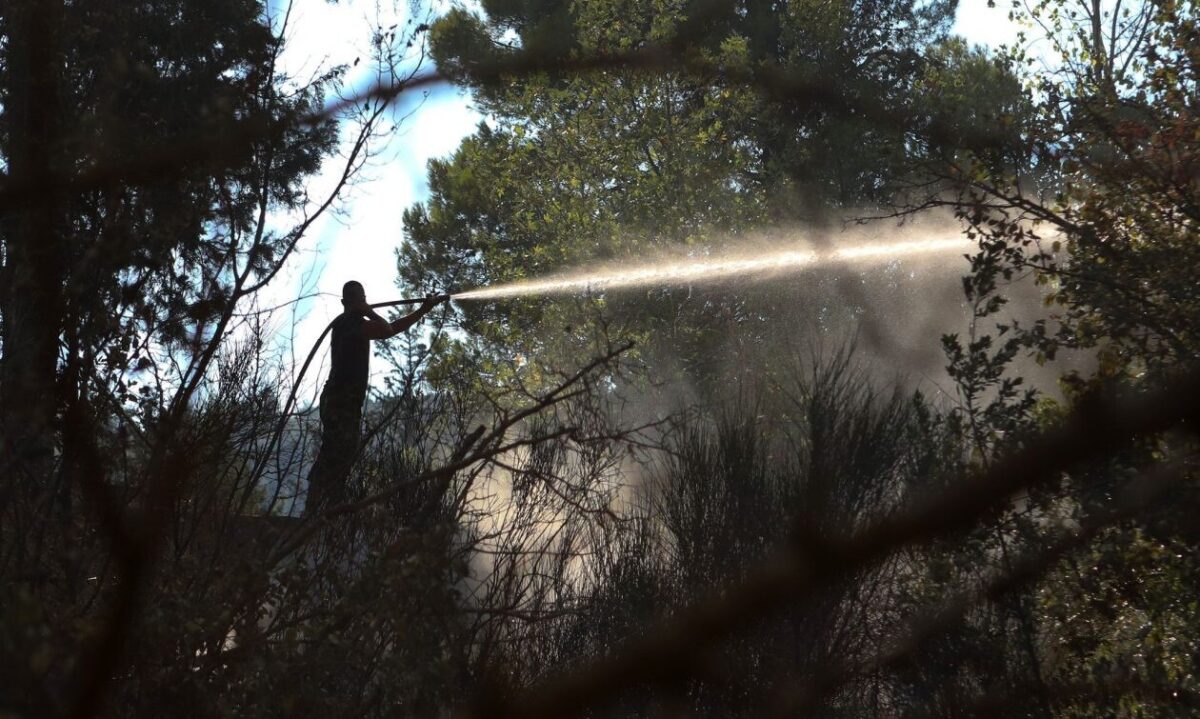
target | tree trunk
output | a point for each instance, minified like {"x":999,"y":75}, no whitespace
{"x":31,"y":289}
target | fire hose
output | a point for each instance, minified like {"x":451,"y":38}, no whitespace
{"x":291,"y":400}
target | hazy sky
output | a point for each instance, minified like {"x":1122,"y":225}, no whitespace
{"x":360,"y":241}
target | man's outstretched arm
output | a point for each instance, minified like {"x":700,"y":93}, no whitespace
{"x":378,"y":328}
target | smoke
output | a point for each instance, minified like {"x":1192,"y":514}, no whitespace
{"x":776,"y":305}
{"x":893,"y":307}
{"x":723,"y":315}
{"x":892,"y":290}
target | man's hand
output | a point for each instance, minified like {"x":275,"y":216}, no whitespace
{"x":382,"y":330}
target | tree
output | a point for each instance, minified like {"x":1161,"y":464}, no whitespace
{"x":861,"y":551}
{"x":163,"y":154}
{"x":1112,"y":144}
{"x":112,"y":277}
{"x":1101,"y":205}
{"x":615,"y":164}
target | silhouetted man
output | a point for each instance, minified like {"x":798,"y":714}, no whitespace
{"x":346,"y":388}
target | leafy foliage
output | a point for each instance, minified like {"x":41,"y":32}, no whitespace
{"x":617,"y":164}
{"x":516,"y":509}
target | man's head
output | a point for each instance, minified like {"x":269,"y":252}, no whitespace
{"x":353,"y":295}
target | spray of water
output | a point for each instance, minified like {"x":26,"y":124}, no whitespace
{"x":763,"y":264}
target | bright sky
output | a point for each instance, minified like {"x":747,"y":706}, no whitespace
{"x":360,"y":241}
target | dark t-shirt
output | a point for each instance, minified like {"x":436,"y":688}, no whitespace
{"x":349,"y":355}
